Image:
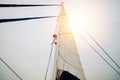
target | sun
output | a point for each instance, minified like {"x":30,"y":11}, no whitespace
{"x":77,"y":22}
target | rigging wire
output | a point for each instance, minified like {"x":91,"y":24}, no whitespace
{"x":97,"y":53}
{"x":103,"y":49}
{"x":27,"y":5}
{"x":23,"y":19}
{"x":100,"y":55}
{"x":49,"y":61}
{"x":11,"y":69}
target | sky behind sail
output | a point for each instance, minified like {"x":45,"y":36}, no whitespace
{"x":25,"y":45}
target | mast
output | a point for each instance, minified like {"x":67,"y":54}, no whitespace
{"x":68,"y":65}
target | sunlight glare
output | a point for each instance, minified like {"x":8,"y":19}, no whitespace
{"x":77,"y":22}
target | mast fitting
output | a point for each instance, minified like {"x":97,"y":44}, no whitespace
{"x":55,"y":37}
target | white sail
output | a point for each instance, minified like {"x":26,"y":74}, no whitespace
{"x":67,"y":57}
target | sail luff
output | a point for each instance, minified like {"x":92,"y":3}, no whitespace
{"x":67,"y":58}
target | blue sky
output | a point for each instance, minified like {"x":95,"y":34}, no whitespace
{"x":25,"y":45}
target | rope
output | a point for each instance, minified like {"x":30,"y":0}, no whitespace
{"x":49,"y":61}
{"x":10,"y":68}
{"x":23,"y":19}
{"x":100,"y":55}
{"x":27,"y":5}
{"x":103,"y":50}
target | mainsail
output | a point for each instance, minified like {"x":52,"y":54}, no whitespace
{"x":68,"y":65}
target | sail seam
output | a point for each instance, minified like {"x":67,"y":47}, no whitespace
{"x":67,"y":48}
{"x":68,"y":62}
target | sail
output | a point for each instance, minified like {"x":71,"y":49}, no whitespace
{"x":67,"y":57}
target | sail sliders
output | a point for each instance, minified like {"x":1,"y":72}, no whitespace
{"x":68,"y":65}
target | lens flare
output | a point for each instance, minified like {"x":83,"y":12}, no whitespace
{"x":77,"y":22}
